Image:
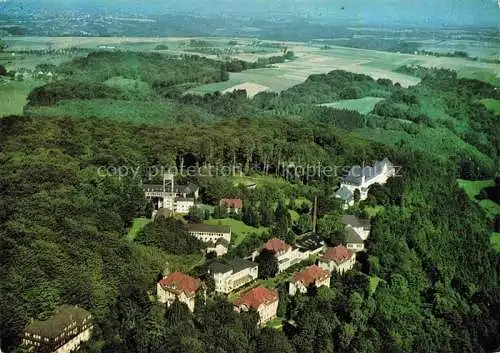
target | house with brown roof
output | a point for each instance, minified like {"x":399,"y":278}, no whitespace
{"x":311,"y":275}
{"x":285,"y":254}
{"x":262,"y":299}
{"x":338,"y":259}
{"x":178,"y":286}
{"x":63,"y":332}
{"x":232,"y":204}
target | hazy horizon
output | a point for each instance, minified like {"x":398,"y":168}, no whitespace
{"x":432,"y":13}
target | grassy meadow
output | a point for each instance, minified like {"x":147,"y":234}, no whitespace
{"x":239,"y":229}
{"x":362,"y":105}
{"x":13,"y":95}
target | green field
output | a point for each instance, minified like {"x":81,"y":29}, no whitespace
{"x":472,"y":188}
{"x":214,"y":87}
{"x":239,"y":229}
{"x":13,"y":95}
{"x":495,"y":241}
{"x":140,"y":112}
{"x":362,"y":105}
{"x":492,"y":104}
{"x":137,"y":226}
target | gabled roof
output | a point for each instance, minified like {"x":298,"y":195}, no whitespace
{"x":353,"y":237}
{"x":179,"y":282}
{"x":344,"y":193}
{"x":207,"y":228}
{"x":63,"y":317}
{"x":310,"y":242}
{"x":311,"y":274}
{"x":232,"y":203}
{"x":369,"y":172}
{"x":276,"y":245}
{"x":187,"y":189}
{"x":152,"y":187}
{"x":354,"y":221}
{"x":338,"y":254}
{"x":257,"y":297}
{"x":236,"y":265}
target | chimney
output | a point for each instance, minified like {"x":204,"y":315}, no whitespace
{"x":315,"y":214}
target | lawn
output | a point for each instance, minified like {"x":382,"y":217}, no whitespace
{"x":362,"y":105}
{"x":472,"y":188}
{"x":495,"y":241}
{"x":276,"y":323}
{"x":374,"y":281}
{"x":239,"y":229}
{"x":13,"y":95}
{"x":372,"y":211}
{"x":137,"y":226}
{"x":492,"y":104}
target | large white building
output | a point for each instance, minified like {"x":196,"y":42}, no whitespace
{"x":361,"y":178}
{"x":177,"y":198}
{"x":178,"y":286}
{"x":286,"y":255}
{"x":63,"y":332}
{"x":235,"y":274}
{"x":206,"y":232}
{"x":338,"y":259}
{"x":263,"y":300}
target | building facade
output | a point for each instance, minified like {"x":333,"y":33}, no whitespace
{"x":312,"y":275}
{"x":63,"y":332}
{"x":178,"y":286}
{"x":209,"y":233}
{"x":339,"y":259}
{"x":286,"y":255}
{"x":361,"y":178}
{"x":235,"y":274}
{"x":177,"y":198}
{"x":263,"y":300}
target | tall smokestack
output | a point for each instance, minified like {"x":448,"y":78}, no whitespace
{"x":315,"y":213}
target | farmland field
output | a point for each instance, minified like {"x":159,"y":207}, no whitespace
{"x":13,"y":95}
{"x":362,"y":105}
{"x":492,"y":104}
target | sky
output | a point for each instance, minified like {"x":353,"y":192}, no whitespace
{"x":418,"y":12}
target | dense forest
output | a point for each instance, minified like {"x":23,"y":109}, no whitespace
{"x":63,"y":225}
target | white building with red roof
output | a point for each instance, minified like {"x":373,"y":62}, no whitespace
{"x":232,"y":204}
{"x":338,"y":259}
{"x":311,"y":275}
{"x":178,"y":286}
{"x":285,"y":254}
{"x":262,"y":299}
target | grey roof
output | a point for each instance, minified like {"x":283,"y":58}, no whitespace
{"x":357,"y":172}
{"x":236,"y":265}
{"x":344,"y":193}
{"x":353,"y":237}
{"x":198,"y":227}
{"x":310,"y":242}
{"x":152,"y":187}
{"x":355,"y":221}
{"x":53,"y":326}
{"x":186,"y":189}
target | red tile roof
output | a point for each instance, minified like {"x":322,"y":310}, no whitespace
{"x":276,"y":245}
{"x":233,"y":203}
{"x":257,"y":297}
{"x":178,"y":282}
{"x":311,"y":274}
{"x":339,"y":254}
